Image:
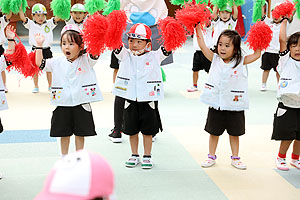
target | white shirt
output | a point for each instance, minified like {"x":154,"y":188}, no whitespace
{"x":219,"y":26}
{"x":207,"y":36}
{"x":274,"y":44}
{"x":139,"y":77}
{"x":289,"y":84}
{"x":3,"y":24}
{"x":46,"y":29}
{"x":3,"y":100}
{"x":72,"y":21}
{"x":73,"y":83}
{"x":226,"y":87}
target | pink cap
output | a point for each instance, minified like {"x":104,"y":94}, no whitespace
{"x":78,"y":176}
{"x":70,"y":27}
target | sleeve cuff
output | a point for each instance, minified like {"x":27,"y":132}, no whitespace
{"x":165,"y":52}
{"x":26,"y":22}
{"x":283,"y":53}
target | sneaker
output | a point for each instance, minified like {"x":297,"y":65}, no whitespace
{"x":154,"y":138}
{"x":238,"y":164}
{"x":5,"y":89}
{"x":295,"y":163}
{"x":263,"y":88}
{"x":49,"y":89}
{"x":147,"y":163}
{"x":281,"y":164}
{"x":115,"y":136}
{"x":192,"y":89}
{"x":133,"y":161}
{"x":208,"y":163}
{"x":35,"y":90}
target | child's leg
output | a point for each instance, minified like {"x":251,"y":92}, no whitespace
{"x":115,"y":74}
{"x":277,"y":76}
{"x":296,"y":147}
{"x":79,"y":142}
{"x":49,"y":78}
{"x":134,"y":143}
{"x":64,"y":145}
{"x":234,"y":144}
{"x":3,"y":77}
{"x":195,"y":78}
{"x":147,"y":139}
{"x":295,"y":155}
{"x":265,"y":76}
{"x":284,"y":146}
{"x":36,"y":80}
{"x":213,"y":143}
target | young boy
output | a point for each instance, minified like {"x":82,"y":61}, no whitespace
{"x":4,"y":21}
{"x":139,"y":82}
{"x":78,"y":15}
{"x":224,"y":20}
{"x":40,"y":25}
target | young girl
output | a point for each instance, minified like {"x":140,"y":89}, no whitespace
{"x":40,"y":24}
{"x":226,"y":92}
{"x":74,"y":87}
{"x":10,"y":34}
{"x":139,"y":82}
{"x":287,"y":116}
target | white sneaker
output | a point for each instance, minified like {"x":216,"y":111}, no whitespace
{"x":133,"y":161}
{"x":154,"y":138}
{"x":208,"y":163}
{"x":281,"y":164}
{"x":192,"y":89}
{"x":263,"y":88}
{"x":35,"y":90}
{"x":5,"y":89}
{"x":295,"y":163}
{"x":147,"y":163}
{"x":238,"y":164}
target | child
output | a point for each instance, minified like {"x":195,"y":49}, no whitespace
{"x":226,"y":92}
{"x":78,"y":176}
{"x":200,"y":62}
{"x":4,"y":21}
{"x":40,"y":25}
{"x":74,"y":87}
{"x":225,"y":20}
{"x":269,"y":59}
{"x":10,"y":34}
{"x":287,"y":116}
{"x":78,"y":15}
{"x":139,"y":81}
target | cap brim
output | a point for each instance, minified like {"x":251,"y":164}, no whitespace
{"x":51,"y":196}
{"x":77,"y":10}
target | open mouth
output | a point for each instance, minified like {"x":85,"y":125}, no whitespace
{"x":68,"y":53}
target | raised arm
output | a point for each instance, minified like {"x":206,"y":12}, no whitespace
{"x":39,"y":48}
{"x":215,"y":12}
{"x":252,"y":57}
{"x":22,"y":14}
{"x":235,"y":11}
{"x":206,"y":51}
{"x":10,"y":35}
{"x":282,"y":35}
{"x":8,"y":16}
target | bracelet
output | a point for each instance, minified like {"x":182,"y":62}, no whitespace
{"x":11,"y":40}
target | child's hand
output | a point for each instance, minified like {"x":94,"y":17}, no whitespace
{"x":39,"y":39}
{"x":10,"y":32}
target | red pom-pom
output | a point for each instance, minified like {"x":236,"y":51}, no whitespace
{"x":117,"y":25}
{"x":31,"y":69}
{"x":172,"y":32}
{"x":94,"y":33}
{"x":193,"y":14}
{"x":19,"y":58}
{"x":259,"y":36}
{"x":285,"y":9}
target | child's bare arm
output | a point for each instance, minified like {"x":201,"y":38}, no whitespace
{"x":10,"y":35}
{"x":56,"y":19}
{"x":215,"y":12}
{"x":282,"y":35}
{"x":235,"y":11}
{"x":39,"y":48}
{"x":252,"y":57}
{"x":8,"y":16}
{"x":206,"y":51}
{"x":22,"y":14}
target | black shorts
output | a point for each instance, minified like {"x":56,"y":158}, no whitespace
{"x":286,"y":125}
{"x":114,"y":61}
{"x":200,"y":62}
{"x":76,"y":120}
{"x":1,"y":50}
{"x":220,"y":120}
{"x":269,"y":61}
{"x":47,"y":53}
{"x":141,"y":117}
{"x":1,"y":127}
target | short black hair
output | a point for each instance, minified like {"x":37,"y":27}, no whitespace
{"x":293,"y":39}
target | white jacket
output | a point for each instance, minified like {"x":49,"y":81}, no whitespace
{"x":289,"y":84}
{"x":227,"y":87}
{"x":139,"y":77}
{"x":73,"y":83}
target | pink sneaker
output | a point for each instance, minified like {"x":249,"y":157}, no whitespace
{"x":295,"y":163}
{"x":281,"y":164}
{"x":192,"y":89}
